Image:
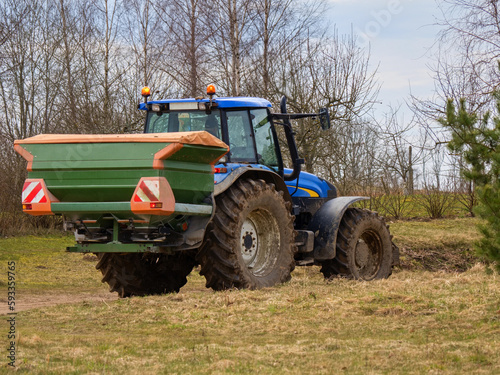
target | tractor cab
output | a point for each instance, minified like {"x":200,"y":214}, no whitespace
{"x":246,"y":124}
{"x":243,"y":123}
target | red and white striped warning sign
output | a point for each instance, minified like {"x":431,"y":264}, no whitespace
{"x":147,"y":191}
{"x":153,"y":196}
{"x":33,"y":192}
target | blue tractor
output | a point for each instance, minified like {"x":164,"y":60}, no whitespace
{"x":269,"y":218}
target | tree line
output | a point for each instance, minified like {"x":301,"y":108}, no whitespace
{"x":467,"y":106}
{"x":70,"y":66}
{"x":78,"y":66}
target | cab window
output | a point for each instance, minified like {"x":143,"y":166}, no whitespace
{"x":264,"y":139}
{"x":241,"y":140}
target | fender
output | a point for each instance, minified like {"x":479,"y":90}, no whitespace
{"x":325,"y":225}
{"x":253,"y":174}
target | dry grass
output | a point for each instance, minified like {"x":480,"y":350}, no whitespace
{"x":416,"y":322}
{"x":438,"y":234}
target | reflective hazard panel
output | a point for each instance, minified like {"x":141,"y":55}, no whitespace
{"x":33,"y":192}
{"x":153,"y":196}
{"x":147,"y":191}
{"x":36,"y":198}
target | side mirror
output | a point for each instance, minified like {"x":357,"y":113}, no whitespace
{"x":324,"y":118}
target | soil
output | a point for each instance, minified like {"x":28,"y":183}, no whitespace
{"x":449,"y":260}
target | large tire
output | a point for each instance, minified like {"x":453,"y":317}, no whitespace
{"x":145,"y":273}
{"x":364,"y":248}
{"x":250,"y":243}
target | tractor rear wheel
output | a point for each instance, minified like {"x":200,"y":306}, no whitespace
{"x":249,"y":244}
{"x":142,"y":274}
{"x":364,"y":247}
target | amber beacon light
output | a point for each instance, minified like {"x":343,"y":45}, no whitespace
{"x":146,"y":91}
{"x":210,"y":90}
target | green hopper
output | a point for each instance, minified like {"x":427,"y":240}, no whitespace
{"x":123,"y":189}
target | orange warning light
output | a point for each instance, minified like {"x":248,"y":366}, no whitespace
{"x":146,"y":91}
{"x":210,"y":90}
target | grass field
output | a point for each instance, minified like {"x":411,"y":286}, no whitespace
{"x":415,"y":322}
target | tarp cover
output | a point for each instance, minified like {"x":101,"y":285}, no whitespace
{"x":193,"y":138}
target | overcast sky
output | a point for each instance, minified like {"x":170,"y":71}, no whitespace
{"x":400,"y":33}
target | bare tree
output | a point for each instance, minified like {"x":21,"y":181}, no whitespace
{"x":231,"y":43}
{"x":188,"y":26}
{"x":29,"y":70}
{"x":68,"y":33}
{"x":77,"y":66}
{"x":108,"y":16}
{"x":279,"y":27}
{"x":350,"y":158}
{"x":403,"y":150}
{"x":151,"y":58}
{"x":466,"y":59}
{"x":144,"y":33}
{"x":29,"y":77}
{"x":329,"y":72}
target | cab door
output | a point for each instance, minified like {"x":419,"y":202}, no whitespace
{"x":241,"y":138}
{"x":251,"y":137}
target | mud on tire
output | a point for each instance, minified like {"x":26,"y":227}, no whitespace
{"x":143,"y":274}
{"x":250,"y":243}
{"x":364,"y":248}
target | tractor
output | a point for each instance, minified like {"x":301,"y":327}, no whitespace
{"x":205,"y":184}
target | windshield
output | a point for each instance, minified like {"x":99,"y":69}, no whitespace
{"x":183,"y":121}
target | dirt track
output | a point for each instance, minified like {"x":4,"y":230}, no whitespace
{"x":33,"y":301}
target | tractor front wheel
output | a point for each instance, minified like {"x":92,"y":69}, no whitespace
{"x":364,"y":248}
{"x":249,"y":244}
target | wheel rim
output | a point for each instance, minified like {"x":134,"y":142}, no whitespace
{"x":260,"y":242}
{"x":249,"y":241}
{"x":368,"y":255}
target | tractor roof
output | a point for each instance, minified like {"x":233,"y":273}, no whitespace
{"x":232,"y":102}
